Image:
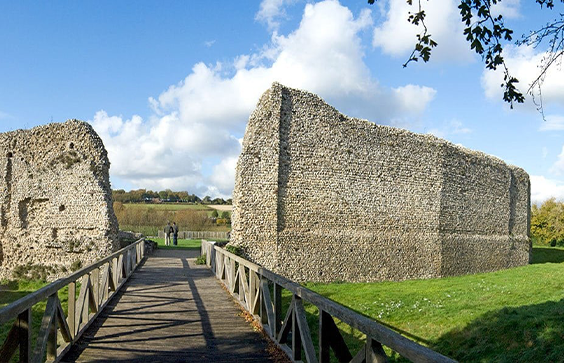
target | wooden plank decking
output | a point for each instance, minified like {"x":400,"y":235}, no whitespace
{"x":171,"y":310}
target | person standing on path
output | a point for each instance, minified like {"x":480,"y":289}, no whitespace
{"x":174,"y":234}
{"x":167,"y":231}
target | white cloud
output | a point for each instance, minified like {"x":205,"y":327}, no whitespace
{"x":553,"y":123}
{"x":453,"y":127}
{"x":223,"y":176}
{"x":397,"y":37}
{"x":510,"y":9}
{"x":192,"y":140}
{"x":543,"y":189}
{"x":271,"y":11}
{"x":523,"y":63}
{"x":209,"y":43}
{"x":558,"y":167}
{"x":414,"y":98}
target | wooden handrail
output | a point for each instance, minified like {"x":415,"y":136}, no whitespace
{"x":249,"y":284}
{"x":99,"y":281}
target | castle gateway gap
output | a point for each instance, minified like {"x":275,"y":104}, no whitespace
{"x":55,"y":199}
{"x":320,"y":196}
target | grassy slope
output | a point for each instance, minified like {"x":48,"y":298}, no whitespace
{"x":504,"y":316}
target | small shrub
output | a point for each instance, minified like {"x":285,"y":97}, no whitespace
{"x":30,"y":271}
{"x":68,"y":159}
{"x":201,"y":260}
{"x":234,"y":250}
{"x":76,"y":265}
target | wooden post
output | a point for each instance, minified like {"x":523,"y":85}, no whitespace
{"x":105,"y":283}
{"x":263,"y":309}
{"x":330,"y":337}
{"x":324,"y":345}
{"x":95,"y":281}
{"x":115,"y":271}
{"x":24,"y":335}
{"x":133,"y":259}
{"x":71,"y":319}
{"x":296,"y":338}
{"x":232,"y":273}
{"x":277,"y":307}
{"x":252,"y":290}
{"x":52,"y":340}
{"x":374,"y":352}
{"x":242,"y":282}
{"x":127,"y":257}
{"x":85,"y":306}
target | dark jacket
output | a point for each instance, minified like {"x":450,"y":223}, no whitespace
{"x":175,"y":230}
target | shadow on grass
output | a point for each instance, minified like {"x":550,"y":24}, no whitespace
{"x":531,"y":333}
{"x":547,"y":255}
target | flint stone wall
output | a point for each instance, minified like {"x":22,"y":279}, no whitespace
{"x":323,"y":197}
{"x":55,"y":198}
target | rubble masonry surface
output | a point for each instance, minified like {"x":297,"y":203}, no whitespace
{"x":55,"y":198}
{"x":323,"y":197}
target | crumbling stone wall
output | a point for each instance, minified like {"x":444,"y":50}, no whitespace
{"x":55,"y":198}
{"x":323,"y":197}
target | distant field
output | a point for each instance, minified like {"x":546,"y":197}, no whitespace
{"x":222,"y":208}
{"x":168,"y":206}
{"x":151,"y":218}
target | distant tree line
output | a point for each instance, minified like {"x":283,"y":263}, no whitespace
{"x":547,"y":223}
{"x":163,"y":196}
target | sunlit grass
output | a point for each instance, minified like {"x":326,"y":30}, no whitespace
{"x":502,"y":316}
{"x":192,"y":244}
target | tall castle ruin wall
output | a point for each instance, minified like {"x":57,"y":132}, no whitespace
{"x":323,"y":197}
{"x":55,"y":198}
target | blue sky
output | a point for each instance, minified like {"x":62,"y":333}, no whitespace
{"x":169,"y":86}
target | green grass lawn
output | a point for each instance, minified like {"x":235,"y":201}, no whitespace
{"x":183,"y":244}
{"x":515,"y":315}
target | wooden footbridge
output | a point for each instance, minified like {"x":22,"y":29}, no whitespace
{"x":135,"y":306}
